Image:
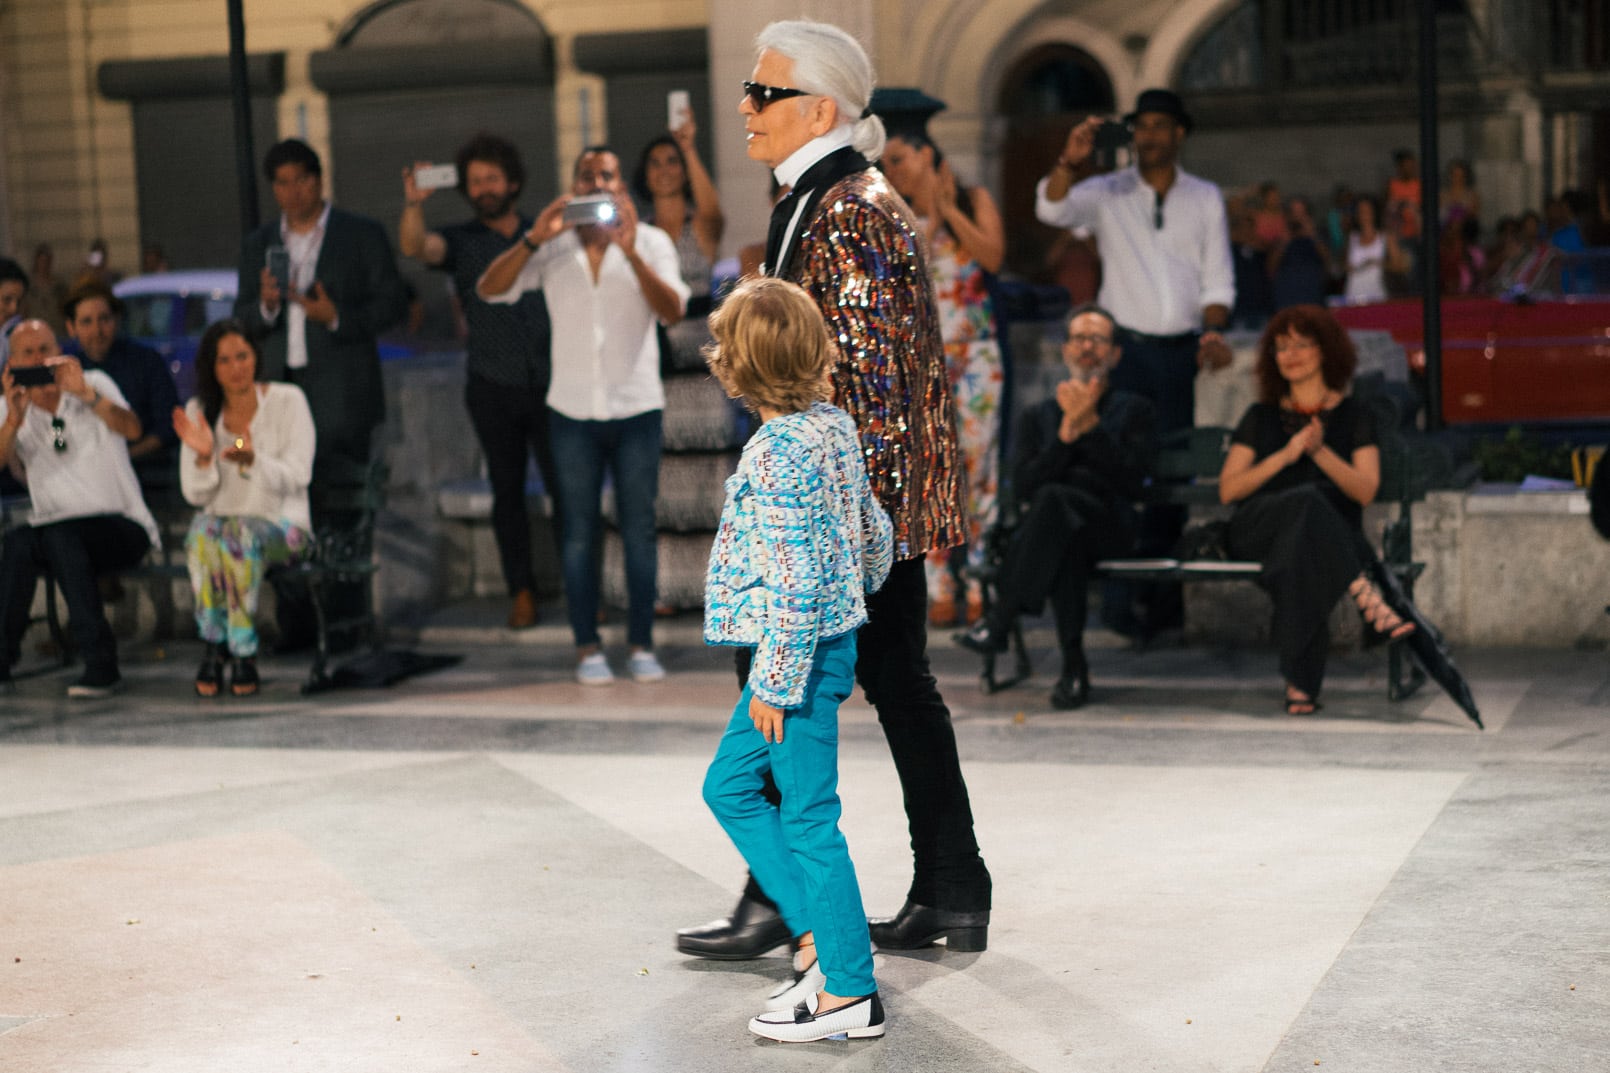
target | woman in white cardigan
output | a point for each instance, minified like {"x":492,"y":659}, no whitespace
{"x":246,"y":463}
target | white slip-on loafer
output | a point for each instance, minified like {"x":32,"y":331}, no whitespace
{"x":803,"y":987}
{"x":861,"y":1019}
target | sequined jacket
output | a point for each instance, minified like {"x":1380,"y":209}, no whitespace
{"x":800,"y":544}
{"x":860,"y":256}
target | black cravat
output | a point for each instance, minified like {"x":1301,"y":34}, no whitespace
{"x":777,"y":230}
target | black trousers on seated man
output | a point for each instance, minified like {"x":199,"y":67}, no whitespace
{"x":891,"y":664}
{"x":1058,"y":541}
{"x":74,"y":552}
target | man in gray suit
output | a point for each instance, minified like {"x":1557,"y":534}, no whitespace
{"x":316,"y":312}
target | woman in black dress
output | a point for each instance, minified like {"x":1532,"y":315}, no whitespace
{"x":1303,"y":463}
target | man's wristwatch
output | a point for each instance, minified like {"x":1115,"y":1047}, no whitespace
{"x":525,"y":240}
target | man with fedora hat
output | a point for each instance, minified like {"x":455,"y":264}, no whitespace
{"x":1167,"y":274}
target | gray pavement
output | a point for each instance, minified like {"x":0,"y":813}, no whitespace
{"x":481,"y":869}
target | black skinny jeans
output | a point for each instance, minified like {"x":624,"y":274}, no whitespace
{"x":511,"y":423}
{"x":891,"y":664}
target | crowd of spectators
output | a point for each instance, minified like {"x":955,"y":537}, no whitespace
{"x":1190,"y":261}
{"x":1369,"y":246}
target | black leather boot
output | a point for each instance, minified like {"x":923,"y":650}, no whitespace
{"x":916,"y":926}
{"x":753,"y":929}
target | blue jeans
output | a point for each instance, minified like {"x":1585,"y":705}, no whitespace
{"x":796,"y":850}
{"x":630,"y":449}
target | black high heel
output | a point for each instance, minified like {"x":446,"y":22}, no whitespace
{"x":243,"y":680}
{"x":210,"y":675}
{"x":1073,"y":688}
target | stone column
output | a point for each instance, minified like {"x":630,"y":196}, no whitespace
{"x":744,"y":184}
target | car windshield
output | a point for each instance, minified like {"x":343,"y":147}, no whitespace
{"x":148,"y":316}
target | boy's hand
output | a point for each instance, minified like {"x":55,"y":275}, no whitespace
{"x":767,"y":720}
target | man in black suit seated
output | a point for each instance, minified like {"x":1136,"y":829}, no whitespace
{"x":1080,"y":462}
{"x":320,"y":331}
{"x":317,"y":325}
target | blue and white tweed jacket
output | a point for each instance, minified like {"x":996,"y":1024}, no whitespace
{"x":802,"y":541}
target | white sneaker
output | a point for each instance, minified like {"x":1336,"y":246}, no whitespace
{"x":594,"y":670}
{"x":861,"y":1019}
{"x":645,"y":668}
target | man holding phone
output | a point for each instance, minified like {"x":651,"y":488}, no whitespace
{"x":65,"y":432}
{"x":317,"y":287}
{"x":1168,"y":278}
{"x":506,"y":389}
{"x":608,"y":279}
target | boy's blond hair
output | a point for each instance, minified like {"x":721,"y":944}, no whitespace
{"x":771,"y":346}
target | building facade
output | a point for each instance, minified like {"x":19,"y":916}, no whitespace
{"x":115,"y":119}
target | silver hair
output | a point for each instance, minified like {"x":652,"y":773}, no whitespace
{"x":829,"y":62}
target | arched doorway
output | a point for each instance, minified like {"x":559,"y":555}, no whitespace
{"x":1045,"y":92}
{"x":414,"y":79}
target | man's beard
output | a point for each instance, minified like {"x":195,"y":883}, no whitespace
{"x":491,"y":206}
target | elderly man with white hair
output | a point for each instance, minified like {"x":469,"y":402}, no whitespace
{"x":66,"y":432}
{"x":845,"y":236}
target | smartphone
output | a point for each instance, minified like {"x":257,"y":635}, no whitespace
{"x":436,"y":177}
{"x":278,"y":261}
{"x":1113,"y":135}
{"x":33,"y":376}
{"x":678,"y":108}
{"x":590,"y":209}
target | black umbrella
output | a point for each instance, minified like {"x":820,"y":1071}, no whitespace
{"x":1426,"y":642}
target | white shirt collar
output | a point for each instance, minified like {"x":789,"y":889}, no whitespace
{"x":324,"y":221}
{"x":806,"y":156}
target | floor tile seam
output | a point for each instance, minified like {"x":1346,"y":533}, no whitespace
{"x":245,"y":787}
{"x":1360,"y":925}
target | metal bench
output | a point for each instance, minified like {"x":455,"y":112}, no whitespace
{"x":1187,"y":475}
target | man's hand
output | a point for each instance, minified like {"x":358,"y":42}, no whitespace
{"x":624,"y":226}
{"x":1081,"y":141}
{"x":412,"y":194}
{"x":317,"y":304}
{"x":194,"y":435}
{"x":767,"y":720}
{"x":1078,"y":400}
{"x":1212,"y":352}
{"x":268,"y":291}
{"x":16,"y":400}
{"x":70,"y":378}
{"x":550,"y":221}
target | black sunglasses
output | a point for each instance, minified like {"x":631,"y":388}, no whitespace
{"x":760,"y":94}
{"x":58,"y":428}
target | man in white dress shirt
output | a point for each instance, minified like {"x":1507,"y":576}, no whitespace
{"x":607,"y":282}
{"x":68,"y":437}
{"x":1166,"y":276}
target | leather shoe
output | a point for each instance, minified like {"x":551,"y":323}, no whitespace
{"x":982,"y":638}
{"x":1073,"y":688}
{"x":916,"y":926}
{"x":523,"y":611}
{"x":753,"y":929}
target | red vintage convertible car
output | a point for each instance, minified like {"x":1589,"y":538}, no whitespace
{"x":1533,"y":356}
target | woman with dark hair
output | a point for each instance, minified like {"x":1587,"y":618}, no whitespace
{"x":966,"y":243}
{"x":677,"y":196}
{"x":1303,"y":464}
{"x":1371,"y":253}
{"x":246,"y":462}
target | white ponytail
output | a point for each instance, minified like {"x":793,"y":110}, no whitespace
{"x":829,"y":62}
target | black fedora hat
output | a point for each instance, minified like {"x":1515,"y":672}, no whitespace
{"x":1165,"y":101}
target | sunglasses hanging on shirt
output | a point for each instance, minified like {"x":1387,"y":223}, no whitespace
{"x":58,"y":429}
{"x":1157,"y":211}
